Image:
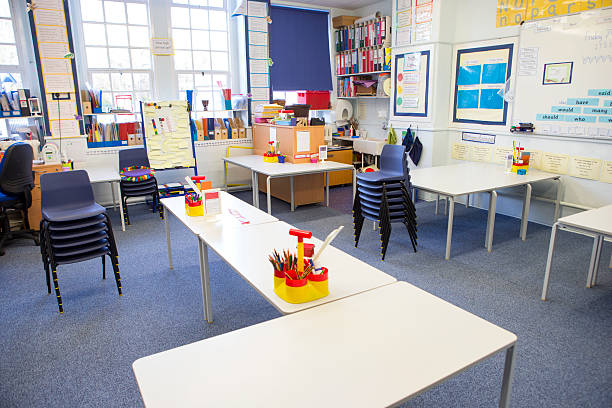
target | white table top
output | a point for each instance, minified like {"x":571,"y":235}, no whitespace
{"x":247,"y":250}
{"x":102,"y":174}
{"x":257,"y":164}
{"x":219,"y":222}
{"x":598,"y":220}
{"x":372,"y":350}
{"x":468,"y":178}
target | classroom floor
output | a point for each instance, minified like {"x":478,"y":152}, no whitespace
{"x":83,"y":358}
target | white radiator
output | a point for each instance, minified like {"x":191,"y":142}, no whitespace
{"x":209,"y":157}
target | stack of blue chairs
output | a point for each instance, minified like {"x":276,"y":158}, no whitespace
{"x":383,"y":196}
{"x":137,"y":157}
{"x":74,"y":228}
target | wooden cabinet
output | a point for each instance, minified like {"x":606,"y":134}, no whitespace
{"x":34,"y":214}
{"x":337,"y":178}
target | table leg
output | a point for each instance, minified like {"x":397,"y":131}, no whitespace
{"x":525,"y":217}
{"x":437,"y":203}
{"x":597,"y":259}
{"x":592,"y":262}
{"x":270,"y":196}
{"x":204,"y":273}
{"x":446,"y":206}
{"x":327,"y":188}
{"x":114,"y":195}
{"x":467,"y":201}
{"x":292,"y":193}
{"x":488,"y":219}
{"x":167,"y":224}
{"x":551,"y":251}
{"x":253,"y":189}
{"x":504,"y":400}
{"x":558,"y":200}
{"x":491,"y":223}
{"x":449,"y":231}
{"x":120,"y":206}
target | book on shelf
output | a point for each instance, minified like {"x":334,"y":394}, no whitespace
{"x":363,"y":60}
{"x":366,"y":34}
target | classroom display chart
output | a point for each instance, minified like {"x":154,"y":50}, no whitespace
{"x":52,"y":39}
{"x":258,"y":67}
{"x":480,"y":78}
{"x":510,"y":12}
{"x":563,"y":82}
{"x":411,"y":91}
{"x":413,"y":21}
{"x":167,"y":134}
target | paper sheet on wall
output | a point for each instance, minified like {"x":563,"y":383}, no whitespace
{"x":260,"y":94}
{"x":535,"y":159}
{"x":258,"y":52}
{"x":606,"y":172}
{"x":500,"y":155}
{"x":303,"y":141}
{"x":481,"y":153}
{"x":258,"y":24}
{"x":422,"y":32}
{"x":528,"y":61}
{"x":66,"y":108}
{"x":65,"y":128}
{"x":585,"y":167}
{"x":56,"y":66}
{"x":49,"y":17}
{"x":555,"y":163}
{"x":257,"y":9}
{"x":258,"y":66}
{"x":53,"y":50}
{"x":460,"y":151}
{"x":51,"y":34}
{"x":59,"y":83}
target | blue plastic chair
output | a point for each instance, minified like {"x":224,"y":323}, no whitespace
{"x":137,"y":157}
{"x":74,"y":228}
{"x":16,"y":183}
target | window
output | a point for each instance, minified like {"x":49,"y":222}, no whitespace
{"x":117,"y":46}
{"x":201,"y":44}
{"x":10,"y":71}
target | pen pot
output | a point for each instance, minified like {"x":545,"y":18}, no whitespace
{"x":320,"y":283}
{"x":281,"y":159}
{"x":296,"y":290}
{"x":279,"y":278}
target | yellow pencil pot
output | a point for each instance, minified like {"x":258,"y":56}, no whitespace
{"x":271,"y":159}
{"x":279,"y":279}
{"x":195,"y":210}
{"x":319,"y":283}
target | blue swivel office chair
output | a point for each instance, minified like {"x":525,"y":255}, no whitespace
{"x":137,"y":157}
{"x":383,"y":196}
{"x":16,"y":183}
{"x":74,"y":228}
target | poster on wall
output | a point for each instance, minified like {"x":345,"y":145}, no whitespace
{"x":411,"y":84}
{"x":258,"y":56}
{"x":480,"y":78}
{"x":403,"y":22}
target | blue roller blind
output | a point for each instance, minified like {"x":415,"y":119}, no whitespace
{"x":299,"y":47}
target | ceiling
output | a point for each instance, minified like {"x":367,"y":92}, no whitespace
{"x":343,"y":4}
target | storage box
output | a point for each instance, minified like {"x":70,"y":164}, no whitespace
{"x":316,"y":99}
{"x":343,"y":21}
{"x":86,"y":107}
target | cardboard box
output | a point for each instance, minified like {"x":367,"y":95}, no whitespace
{"x":86,"y":107}
{"x":132,"y":140}
{"x":139,"y":139}
{"x":240,"y":127}
{"x":343,"y":21}
{"x":220,"y":129}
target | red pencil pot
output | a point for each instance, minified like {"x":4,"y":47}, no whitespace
{"x":279,"y":278}
{"x":296,"y":290}
{"x":320,"y":282}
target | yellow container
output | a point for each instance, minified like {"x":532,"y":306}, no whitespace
{"x":271,"y":159}
{"x":279,"y":279}
{"x":301,"y":291}
{"x":195,"y":211}
{"x":516,"y":167}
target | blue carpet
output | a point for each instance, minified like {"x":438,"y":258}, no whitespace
{"x":83,"y":358}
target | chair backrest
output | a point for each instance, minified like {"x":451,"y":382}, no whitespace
{"x":16,"y":169}
{"x":393,"y":159}
{"x":65,"y":190}
{"x":133,"y":157}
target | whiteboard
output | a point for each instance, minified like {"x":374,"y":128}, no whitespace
{"x":563,"y":83}
{"x":168,"y":134}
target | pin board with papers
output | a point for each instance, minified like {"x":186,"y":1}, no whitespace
{"x":480,"y":75}
{"x":167,"y":134}
{"x":411,"y":79}
{"x":563,"y":83}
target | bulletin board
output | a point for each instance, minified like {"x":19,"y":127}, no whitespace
{"x":480,"y":77}
{"x":563,"y":83}
{"x":411,"y":90}
{"x":167,"y":134}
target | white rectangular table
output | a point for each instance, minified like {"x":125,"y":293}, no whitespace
{"x":596,"y":223}
{"x":464,"y":179}
{"x":256,"y":165}
{"x":234,"y":212}
{"x":111,"y":176}
{"x":377,"y":349}
{"x":247,"y":250}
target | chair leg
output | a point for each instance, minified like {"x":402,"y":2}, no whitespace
{"x":103,"y":266}
{"x":117,"y":276}
{"x":57,"y":291}
{"x":125,"y":211}
{"x":47,"y":273}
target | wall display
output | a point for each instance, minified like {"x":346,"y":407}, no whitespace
{"x":403,"y":22}
{"x":480,"y":77}
{"x":411,"y":93}
{"x":167,"y":134}
{"x":510,"y":12}
{"x":585,"y":167}
{"x":258,"y":67}
{"x":460,"y":151}
{"x":162,"y":46}
{"x":54,"y":54}
{"x":413,"y":21}
{"x":606,"y":172}
{"x":569,"y":92}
